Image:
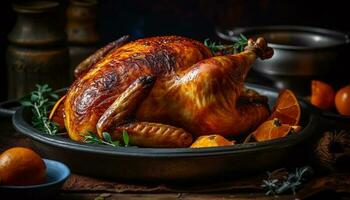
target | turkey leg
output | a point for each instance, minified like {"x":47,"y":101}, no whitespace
{"x":217,"y":83}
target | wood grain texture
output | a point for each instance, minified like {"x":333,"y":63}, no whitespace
{"x":171,"y":196}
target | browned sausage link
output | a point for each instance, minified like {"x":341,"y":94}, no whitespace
{"x":98,"y":55}
{"x":148,"y":134}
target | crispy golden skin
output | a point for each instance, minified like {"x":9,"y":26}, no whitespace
{"x":193,"y":93}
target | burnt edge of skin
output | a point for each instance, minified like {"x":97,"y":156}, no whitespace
{"x":159,"y":60}
{"x":153,"y":60}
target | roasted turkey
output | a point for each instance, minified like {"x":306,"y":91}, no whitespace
{"x":163,"y":91}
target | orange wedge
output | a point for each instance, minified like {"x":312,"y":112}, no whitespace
{"x":57,"y":112}
{"x":211,"y":141}
{"x":322,"y":95}
{"x":273,"y":129}
{"x":287,"y":108}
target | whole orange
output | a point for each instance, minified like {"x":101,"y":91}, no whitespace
{"x":21,"y":166}
{"x":322,"y":95}
{"x":342,"y":100}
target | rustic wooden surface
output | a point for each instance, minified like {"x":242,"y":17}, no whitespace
{"x":332,"y":186}
{"x":170,"y":196}
{"x":194,"y":196}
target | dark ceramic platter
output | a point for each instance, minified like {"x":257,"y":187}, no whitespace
{"x":174,"y":164}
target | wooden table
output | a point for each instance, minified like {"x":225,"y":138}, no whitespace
{"x":324,"y":187}
{"x":170,"y":196}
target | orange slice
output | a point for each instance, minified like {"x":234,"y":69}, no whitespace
{"x":273,"y":129}
{"x":287,"y":108}
{"x":322,"y":95}
{"x":57,"y":112}
{"x":211,"y":141}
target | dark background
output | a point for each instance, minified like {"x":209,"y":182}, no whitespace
{"x":193,"y":18}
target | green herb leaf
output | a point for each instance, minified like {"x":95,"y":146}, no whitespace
{"x":92,"y":138}
{"x":116,"y":143}
{"x":26,"y":103}
{"x":291,"y":182}
{"x":54,"y":96}
{"x":125,"y":138}
{"x":236,"y":47}
{"x":243,"y":37}
{"x":107,"y":137}
{"x":40,"y":101}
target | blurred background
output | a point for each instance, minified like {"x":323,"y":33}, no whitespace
{"x":91,"y":24}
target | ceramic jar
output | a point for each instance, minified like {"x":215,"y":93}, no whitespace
{"x":37,"y":53}
{"x":81,"y":30}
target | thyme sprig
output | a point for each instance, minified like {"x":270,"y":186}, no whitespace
{"x":291,"y":182}
{"x":92,"y":138}
{"x":236,"y":47}
{"x":40,"y":101}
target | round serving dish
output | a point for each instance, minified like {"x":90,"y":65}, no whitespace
{"x":56,"y":174}
{"x":174,"y":164}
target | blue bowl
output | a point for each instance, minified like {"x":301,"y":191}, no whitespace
{"x":56,"y":174}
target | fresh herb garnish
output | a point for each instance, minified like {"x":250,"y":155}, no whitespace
{"x":126,"y":138}
{"x":292,"y":181}
{"x":236,"y":47}
{"x":40,"y":101}
{"x":92,"y":138}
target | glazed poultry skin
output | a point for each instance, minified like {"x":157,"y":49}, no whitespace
{"x":163,"y":91}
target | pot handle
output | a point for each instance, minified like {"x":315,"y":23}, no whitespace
{"x":347,"y":38}
{"x":8,"y":108}
{"x":229,"y":34}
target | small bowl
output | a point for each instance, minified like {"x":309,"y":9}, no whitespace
{"x":56,"y":174}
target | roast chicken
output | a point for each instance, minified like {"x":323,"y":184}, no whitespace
{"x":164,"y":92}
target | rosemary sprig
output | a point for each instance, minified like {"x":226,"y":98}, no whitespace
{"x":240,"y":43}
{"x":40,"y":101}
{"x":236,"y":47}
{"x":92,"y":138}
{"x":290,"y":182}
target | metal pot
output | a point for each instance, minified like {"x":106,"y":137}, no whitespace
{"x":299,"y":50}
{"x":301,"y":54}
